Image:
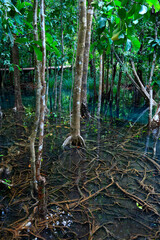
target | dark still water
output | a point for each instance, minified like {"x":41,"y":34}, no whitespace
{"x":110,"y":190}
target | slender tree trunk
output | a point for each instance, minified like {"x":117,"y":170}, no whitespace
{"x":75,"y":137}
{"x":93,"y":71}
{"x":107,"y":80}
{"x":103,"y":75}
{"x":100,"y":86}
{"x":17,"y":89}
{"x":41,"y":180}
{"x":55,"y":87}
{"x":73,"y":63}
{"x":118,"y":92}
{"x":84,"y":109}
{"x":62,"y":43}
{"x":151,"y":76}
{"x":38,"y":96}
{"x":114,"y":68}
{"x":95,"y":78}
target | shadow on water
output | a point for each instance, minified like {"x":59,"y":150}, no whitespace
{"x":110,"y":190}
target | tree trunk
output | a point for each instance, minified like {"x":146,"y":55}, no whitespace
{"x":114,"y":68}
{"x":38,"y":96}
{"x":100,"y":86}
{"x":75,"y":137}
{"x":151,"y":76}
{"x":41,"y":180}
{"x":118,"y":92}
{"x":84,"y":109}
{"x":107,"y":80}
{"x":62,"y":43}
{"x":17,"y":89}
{"x":103,"y":75}
{"x":55,"y":87}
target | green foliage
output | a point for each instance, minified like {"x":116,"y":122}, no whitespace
{"x":154,"y":3}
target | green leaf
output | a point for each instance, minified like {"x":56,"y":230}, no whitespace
{"x":154,"y":3}
{"x":109,"y":8}
{"x":117,"y":3}
{"x":124,"y":2}
{"x":135,"y":43}
{"x":100,"y":4}
{"x":143,"y":10}
{"x":131,"y":11}
{"x":21,"y":40}
{"x":122,"y":13}
{"x":37,"y":52}
{"x":139,"y":206}
{"x":135,"y":22}
{"x":49,"y":38}
{"x":28,"y":24}
{"x":128,"y":45}
{"x":102,"y":22}
{"x":54,"y":49}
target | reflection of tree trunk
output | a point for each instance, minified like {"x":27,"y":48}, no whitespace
{"x":17,"y":89}
{"x":75,"y":137}
{"x":84,"y":110}
{"x":100,"y":86}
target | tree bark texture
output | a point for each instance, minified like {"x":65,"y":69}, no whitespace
{"x":41,"y":180}
{"x":17,"y":89}
{"x":86,"y":61}
{"x":38,"y":96}
{"x":107,"y":80}
{"x":75,"y":137}
{"x":151,"y":76}
{"x":75,"y":123}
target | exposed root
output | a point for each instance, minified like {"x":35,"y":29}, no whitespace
{"x":74,"y":141}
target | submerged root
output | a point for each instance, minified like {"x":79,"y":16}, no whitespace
{"x":74,"y":141}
